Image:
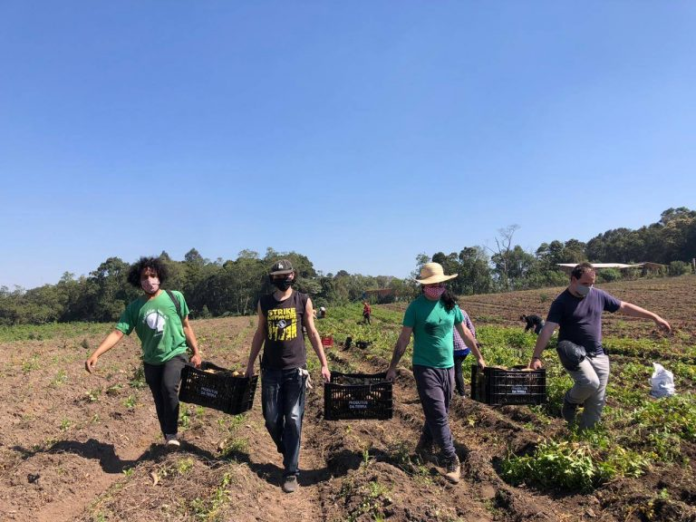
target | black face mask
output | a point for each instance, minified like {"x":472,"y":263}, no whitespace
{"x":282,"y":284}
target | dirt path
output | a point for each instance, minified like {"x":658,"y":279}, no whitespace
{"x":75,"y":447}
{"x":65,"y":436}
{"x":483,"y":435}
{"x":227,"y":469}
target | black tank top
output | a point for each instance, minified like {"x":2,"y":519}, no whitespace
{"x":284,"y":346}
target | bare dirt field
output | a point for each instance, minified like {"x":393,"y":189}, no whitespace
{"x":88,"y":448}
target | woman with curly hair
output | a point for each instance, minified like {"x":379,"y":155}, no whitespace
{"x":160,"y":318}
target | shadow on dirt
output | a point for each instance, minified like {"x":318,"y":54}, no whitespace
{"x":272,"y":473}
{"x":93,"y":449}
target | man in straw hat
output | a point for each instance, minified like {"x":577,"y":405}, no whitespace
{"x":578,"y":311}
{"x":431,"y":319}
{"x":284,"y":374}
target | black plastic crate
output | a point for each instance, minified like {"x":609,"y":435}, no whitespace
{"x":220,"y":389}
{"x":352,"y":396}
{"x":499,"y":386}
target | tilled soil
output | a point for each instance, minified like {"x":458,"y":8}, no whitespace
{"x":88,"y":448}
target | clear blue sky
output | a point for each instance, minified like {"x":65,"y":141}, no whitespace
{"x":357,"y":133}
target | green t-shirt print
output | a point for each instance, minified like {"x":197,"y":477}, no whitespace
{"x":158,"y":326}
{"x":432,"y":325}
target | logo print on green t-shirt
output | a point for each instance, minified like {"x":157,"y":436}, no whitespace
{"x":155,"y":320}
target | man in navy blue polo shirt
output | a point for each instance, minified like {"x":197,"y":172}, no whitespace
{"x":578,"y":313}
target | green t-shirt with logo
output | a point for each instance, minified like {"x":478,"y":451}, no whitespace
{"x":158,"y":326}
{"x":432,"y":332}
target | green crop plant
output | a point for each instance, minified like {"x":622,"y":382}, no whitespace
{"x":675,"y":414}
{"x":60,"y":378}
{"x":375,"y":498}
{"x":183,"y":466}
{"x":26,"y":332}
{"x":114,"y":389}
{"x":31,"y":364}
{"x":93,"y":395}
{"x":137,"y":380}
{"x":185,"y":418}
{"x":555,"y":465}
{"x":130,"y":402}
{"x":210,"y":509}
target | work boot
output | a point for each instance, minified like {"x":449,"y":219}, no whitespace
{"x":453,"y":471}
{"x":568,"y":411}
{"x":290,"y":484}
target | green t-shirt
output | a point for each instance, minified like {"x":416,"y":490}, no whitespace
{"x":432,"y":332}
{"x":158,"y":326}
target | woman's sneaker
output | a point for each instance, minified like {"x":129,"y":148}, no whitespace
{"x":453,"y":471}
{"x":171,"y":441}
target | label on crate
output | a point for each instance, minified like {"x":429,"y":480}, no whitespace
{"x":519,"y":390}
{"x":357,"y":405}
{"x":209,"y":392}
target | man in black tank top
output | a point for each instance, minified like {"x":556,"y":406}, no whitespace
{"x":282,"y":315}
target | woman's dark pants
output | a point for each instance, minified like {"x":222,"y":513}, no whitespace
{"x":435,"y":392}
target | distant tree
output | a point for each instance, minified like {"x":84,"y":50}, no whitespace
{"x":474,"y":271}
{"x":194,"y":257}
{"x":421,"y":259}
{"x":502,"y":256}
{"x":607,"y":275}
{"x":677,"y":268}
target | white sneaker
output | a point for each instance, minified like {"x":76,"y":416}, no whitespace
{"x":171,"y":441}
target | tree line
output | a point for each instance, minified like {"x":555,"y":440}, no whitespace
{"x":506,"y":267}
{"x":233,"y":287}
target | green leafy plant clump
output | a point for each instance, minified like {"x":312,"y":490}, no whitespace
{"x":571,"y":466}
{"x":562,"y":465}
{"x":675,"y":415}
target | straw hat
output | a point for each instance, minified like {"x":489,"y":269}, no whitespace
{"x":432,"y":273}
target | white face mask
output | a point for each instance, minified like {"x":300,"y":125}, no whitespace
{"x":583,"y":290}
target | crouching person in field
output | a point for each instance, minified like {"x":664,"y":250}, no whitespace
{"x":160,"y":318}
{"x":282,"y":315}
{"x":431,"y":319}
{"x":578,"y":312}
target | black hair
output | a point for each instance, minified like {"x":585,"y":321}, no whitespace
{"x":523,"y":317}
{"x":448,"y":300}
{"x":155,"y":263}
{"x":581,"y":269}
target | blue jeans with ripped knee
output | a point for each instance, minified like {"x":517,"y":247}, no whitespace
{"x":283,"y":404}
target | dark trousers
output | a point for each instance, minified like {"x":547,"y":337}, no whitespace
{"x":283,"y":405}
{"x":458,"y":375}
{"x":435,"y":392}
{"x":366,"y":318}
{"x":163,"y":380}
